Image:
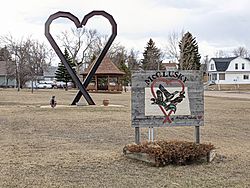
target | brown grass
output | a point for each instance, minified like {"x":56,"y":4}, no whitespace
{"x":82,"y":146}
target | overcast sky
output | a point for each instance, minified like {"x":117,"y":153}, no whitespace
{"x":216,"y":24}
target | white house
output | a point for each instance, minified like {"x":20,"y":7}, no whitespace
{"x":231,"y":70}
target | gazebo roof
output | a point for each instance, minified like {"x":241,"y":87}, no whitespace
{"x":107,"y":67}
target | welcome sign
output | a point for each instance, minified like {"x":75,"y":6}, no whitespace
{"x":167,"y":98}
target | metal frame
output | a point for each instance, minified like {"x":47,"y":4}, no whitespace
{"x":82,"y":86}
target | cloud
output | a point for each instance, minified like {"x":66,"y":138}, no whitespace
{"x":215,"y":24}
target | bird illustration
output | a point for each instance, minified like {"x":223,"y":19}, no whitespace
{"x":159,"y":98}
{"x":170,"y":101}
{"x":167,"y":94}
{"x":171,"y":106}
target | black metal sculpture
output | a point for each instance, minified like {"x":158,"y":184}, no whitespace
{"x":82,"y":86}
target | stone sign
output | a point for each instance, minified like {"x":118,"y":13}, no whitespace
{"x":167,"y":98}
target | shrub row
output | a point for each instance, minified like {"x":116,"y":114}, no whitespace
{"x":171,"y":152}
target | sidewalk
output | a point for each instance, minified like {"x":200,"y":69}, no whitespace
{"x":229,"y":94}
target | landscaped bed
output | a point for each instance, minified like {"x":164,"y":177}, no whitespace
{"x":161,"y":153}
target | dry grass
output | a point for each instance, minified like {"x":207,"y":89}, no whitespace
{"x":82,"y":146}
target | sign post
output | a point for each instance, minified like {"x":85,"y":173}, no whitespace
{"x":167,"y":98}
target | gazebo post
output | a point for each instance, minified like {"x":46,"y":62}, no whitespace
{"x":108,"y":84}
{"x":119,"y":84}
{"x":95,"y":82}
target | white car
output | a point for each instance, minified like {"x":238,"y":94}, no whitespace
{"x":44,"y":86}
{"x":63,"y":84}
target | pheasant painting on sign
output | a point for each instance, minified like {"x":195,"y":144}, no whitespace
{"x":166,"y":96}
{"x":152,"y":104}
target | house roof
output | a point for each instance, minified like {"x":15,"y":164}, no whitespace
{"x":169,"y":65}
{"x":222,"y":64}
{"x":174,"y":65}
{"x":106,"y":67}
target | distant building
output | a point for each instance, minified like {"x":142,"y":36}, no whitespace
{"x":47,"y":77}
{"x":6,"y":79}
{"x":231,"y":70}
{"x":169,"y":66}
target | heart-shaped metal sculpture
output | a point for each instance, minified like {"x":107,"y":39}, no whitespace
{"x":82,"y":86}
{"x":165,"y":105}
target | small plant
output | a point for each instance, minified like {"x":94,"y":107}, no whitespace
{"x":171,"y":152}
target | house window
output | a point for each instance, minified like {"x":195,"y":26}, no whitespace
{"x":214,"y":76}
{"x":236,"y":66}
{"x":245,"y":77}
{"x":221,"y":76}
{"x":243,"y":66}
{"x":212,"y":67}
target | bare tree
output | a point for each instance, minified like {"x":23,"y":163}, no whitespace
{"x":4,"y":54}
{"x":50,"y":55}
{"x":117,"y":53}
{"x":29,"y":55}
{"x":83,"y":40}
{"x":99,"y":44}
{"x":221,"y":54}
{"x":37,"y":60}
{"x":172,"y":48}
{"x":204,"y":64}
{"x":133,"y":63}
{"x":241,"y":52}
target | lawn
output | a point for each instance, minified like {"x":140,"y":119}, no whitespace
{"x":82,"y":146}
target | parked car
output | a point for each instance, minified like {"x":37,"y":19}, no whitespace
{"x":63,"y":84}
{"x":44,"y":86}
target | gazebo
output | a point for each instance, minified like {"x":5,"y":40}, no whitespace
{"x":106,"y":79}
